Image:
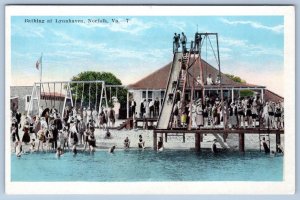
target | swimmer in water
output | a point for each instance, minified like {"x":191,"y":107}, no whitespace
{"x":126,"y":143}
{"x":59,"y":152}
{"x":19,"y":149}
{"x":214,"y":148}
{"x":265,"y":145}
{"x":160,"y":144}
{"x":112,"y":149}
{"x":141,"y":143}
{"x":32,"y":145}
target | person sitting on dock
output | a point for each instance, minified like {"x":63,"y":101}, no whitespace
{"x":265,"y":145}
{"x":126,"y":143}
{"x":141,"y":143}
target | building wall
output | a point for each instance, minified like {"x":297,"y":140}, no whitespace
{"x":139,"y":95}
{"x":21,"y":92}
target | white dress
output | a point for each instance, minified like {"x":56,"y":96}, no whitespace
{"x":199,"y":116}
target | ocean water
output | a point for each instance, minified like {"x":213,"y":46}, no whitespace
{"x":147,"y":165}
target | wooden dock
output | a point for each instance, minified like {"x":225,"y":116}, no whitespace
{"x":198,"y":134}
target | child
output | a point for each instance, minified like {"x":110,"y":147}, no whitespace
{"x":19,"y":150}
{"x":32,"y":145}
{"x":126,"y":143}
{"x":141,"y":143}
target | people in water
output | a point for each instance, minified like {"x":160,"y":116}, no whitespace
{"x":92,"y":143}
{"x":19,"y":149}
{"x":160,"y":144}
{"x":112,"y":149}
{"x":141,"y":143}
{"x":59,"y":151}
{"x":214,"y":148}
{"x":126,"y":143}
{"x":265,"y":145}
{"x":32,"y":145}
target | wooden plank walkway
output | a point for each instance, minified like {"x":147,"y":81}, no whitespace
{"x":222,"y":130}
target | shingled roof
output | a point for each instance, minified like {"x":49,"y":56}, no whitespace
{"x":159,"y":78}
{"x":271,"y":96}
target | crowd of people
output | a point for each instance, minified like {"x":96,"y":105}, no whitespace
{"x":49,"y":131}
{"x":182,"y":39}
{"x":245,"y":112}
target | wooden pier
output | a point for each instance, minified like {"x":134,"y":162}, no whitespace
{"x":199,"y":133}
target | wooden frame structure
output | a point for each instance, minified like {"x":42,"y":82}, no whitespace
{"x":36,"y":94}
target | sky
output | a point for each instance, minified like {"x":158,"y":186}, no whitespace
{"x":250,"y":46}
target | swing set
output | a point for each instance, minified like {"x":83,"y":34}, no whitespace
{"x":70,"y":93}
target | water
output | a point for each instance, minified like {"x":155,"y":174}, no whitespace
{"x":148,"y":165}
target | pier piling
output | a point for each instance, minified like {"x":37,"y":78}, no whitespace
{"x":278,"y":140}
{"x":242,"y":142}
{"x":197,"y":142}
{"x":154,"y":140}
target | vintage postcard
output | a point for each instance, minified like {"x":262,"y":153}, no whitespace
{"x":150,"y":99}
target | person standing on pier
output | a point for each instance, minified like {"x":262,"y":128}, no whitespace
{"x":241,"y":114}
{"x":175,"y":42}
{"x":197,"y":41}
{"x":199,"y":114}
{"x":142,"y":109}
{"x":156,"y":107}
{"x":81,"y":127}
{"x":151,"y":108}
{"x":132,"y":106}
{"x":183,"y":42}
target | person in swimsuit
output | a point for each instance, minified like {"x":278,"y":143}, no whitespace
{"x":141,"y":143}
{"x":126,"y":143}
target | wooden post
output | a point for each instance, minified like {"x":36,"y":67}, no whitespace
{"x":154,"y":140}
{"x":166,"y":137}
{"x":242,"y":142}
{"x":127,"y":106}
{"x":278,"y":140}
{"x":183,"y":138}
{"x":197,"y":142}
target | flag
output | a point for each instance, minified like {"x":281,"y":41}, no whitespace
{"x":38,"y":63}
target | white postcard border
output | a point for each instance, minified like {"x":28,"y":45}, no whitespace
{"x":232,"y":187}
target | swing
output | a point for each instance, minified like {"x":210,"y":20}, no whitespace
{"x":60,"y":96}
{"x":82,"y":96}
{"x":44,"y":94}
{"x":76,"y":95}
{"x":50,"y":96}
{"x":54,"y":93}
{"x":96,"y":96}
{"x":90,"y":96}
